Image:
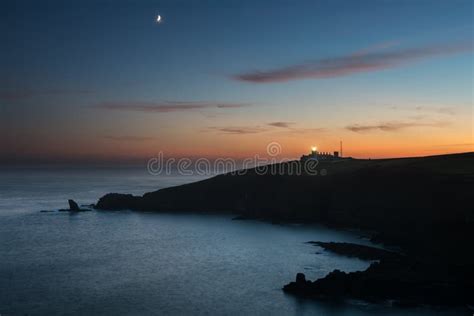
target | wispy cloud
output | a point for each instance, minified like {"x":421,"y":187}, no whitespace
{"x":290,"y":128}
{"x":358,"y":62}
{"x":440,"y":110}
{"x":304,"y":130}
{"x":21,"y":94}
{"x":281,"y":124}
{"x":392,"y":126}
{"x":427,"y":109}
{"x":129,"y":138}
{"x":166,"y":107}
{"x":283,"y":128}
{"x":238,"y":130}
{"x":231,"y":105}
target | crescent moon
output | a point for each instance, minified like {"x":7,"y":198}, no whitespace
{"x":158,"y":19}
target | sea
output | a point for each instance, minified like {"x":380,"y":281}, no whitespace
{"x":136,"y":263}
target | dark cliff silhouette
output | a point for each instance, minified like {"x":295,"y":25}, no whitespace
{"x":423,"y":205}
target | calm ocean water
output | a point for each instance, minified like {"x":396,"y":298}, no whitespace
{"x":125,"y":263}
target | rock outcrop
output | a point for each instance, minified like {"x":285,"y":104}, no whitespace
{"x":74,"y":207}
{"x":355,"y":250}
{"x":404,"y":281}
{"x":116,"y":201}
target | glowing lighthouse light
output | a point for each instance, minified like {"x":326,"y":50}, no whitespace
{"x":314,"y":148}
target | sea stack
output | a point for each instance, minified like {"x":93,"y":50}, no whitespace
{"x":73,"y":206}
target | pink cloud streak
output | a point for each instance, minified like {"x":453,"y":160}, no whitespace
{"x":359,"y":62}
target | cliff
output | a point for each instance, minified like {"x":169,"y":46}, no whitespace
{"x":411,"y":202}
{"x":423,"y":205}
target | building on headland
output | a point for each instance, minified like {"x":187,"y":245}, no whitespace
{"x":321,"y":155}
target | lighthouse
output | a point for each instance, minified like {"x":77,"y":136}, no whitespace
{"x":324,"y":155}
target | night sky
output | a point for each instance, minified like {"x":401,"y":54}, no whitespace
{"x":102,"y":81}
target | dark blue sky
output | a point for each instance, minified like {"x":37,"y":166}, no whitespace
{"x":102,"y":75}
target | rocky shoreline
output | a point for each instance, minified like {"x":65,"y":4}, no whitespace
{"x":355,"y":250}
{"x":421,"y":205}
{"x":394,"y":277}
